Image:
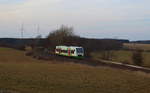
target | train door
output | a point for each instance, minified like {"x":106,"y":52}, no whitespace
{"x":69,"y":52}
{"x":59,"y":51}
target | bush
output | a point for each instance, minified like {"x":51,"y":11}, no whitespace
{"x":107,"y":55}
{"x":137,"y":57}
{"x":125,"y":62}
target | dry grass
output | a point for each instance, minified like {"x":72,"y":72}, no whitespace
{"x":26,"y":75}
{"x":145,"y":47}
{"x":124,"y":56}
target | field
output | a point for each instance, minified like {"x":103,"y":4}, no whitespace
{"x":125,"y":56}
{"x":145,"y":47}
{"x":21,"y":74}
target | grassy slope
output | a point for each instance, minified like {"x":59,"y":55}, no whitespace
{"x":26,"y":75}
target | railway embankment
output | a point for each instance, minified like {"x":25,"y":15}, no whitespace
{"x":95,"y":63}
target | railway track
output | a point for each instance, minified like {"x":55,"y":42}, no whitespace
{"x":116,"y":65}
{"x":95,"y":63}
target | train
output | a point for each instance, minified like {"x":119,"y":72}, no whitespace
{"x":70,"y":51}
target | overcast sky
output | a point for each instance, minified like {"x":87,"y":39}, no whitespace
{"x":125,"y":19}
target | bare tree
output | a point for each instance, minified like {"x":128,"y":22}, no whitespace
{"x":62,"y":36}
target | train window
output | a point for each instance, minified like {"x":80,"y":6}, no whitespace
{"x":64,"y":51}
{"x":80,"y":50}
{"x":72,"y":51}
{"x":57,"y":50}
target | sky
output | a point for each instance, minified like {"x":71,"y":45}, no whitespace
{"x":119,"y":19}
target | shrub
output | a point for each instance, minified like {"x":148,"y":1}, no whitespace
{"x":107,"y":55}
{"x":137,"y":57}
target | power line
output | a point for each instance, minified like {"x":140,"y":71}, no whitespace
{"x":38,"y":30}
{"x":22,"y":31}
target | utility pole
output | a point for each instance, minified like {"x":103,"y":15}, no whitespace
{"x":22,"y":31}
{"x":38,"y":30}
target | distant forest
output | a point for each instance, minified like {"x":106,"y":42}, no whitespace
{"x":95,"y":43}
{"x":64,"y":36}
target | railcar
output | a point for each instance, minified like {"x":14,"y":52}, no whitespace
{"x":70,"y":51}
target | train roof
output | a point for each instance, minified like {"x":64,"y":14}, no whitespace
{"x":69,"y":46}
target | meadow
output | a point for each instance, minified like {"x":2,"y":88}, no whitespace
{"x":145,"y":47}
{"x":125,"y":55}
{"x":22,"y":74}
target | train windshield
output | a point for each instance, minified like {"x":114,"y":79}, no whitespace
{"x":80,"y":50}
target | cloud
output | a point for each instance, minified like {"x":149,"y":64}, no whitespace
{"x":75,"y":10}
{"x":84,"y":15}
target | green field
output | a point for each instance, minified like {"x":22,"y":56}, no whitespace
{"x":21,"y":74}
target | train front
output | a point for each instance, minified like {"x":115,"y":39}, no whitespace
{"x":80,"y":52}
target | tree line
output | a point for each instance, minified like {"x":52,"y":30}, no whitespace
{"x":64,"y":36}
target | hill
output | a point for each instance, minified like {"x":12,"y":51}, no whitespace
{"x":21,"y":74}
{"x":142,"y":42}
{"x":14,"y":42}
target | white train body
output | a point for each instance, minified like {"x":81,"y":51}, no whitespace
{"x":72,"y":51}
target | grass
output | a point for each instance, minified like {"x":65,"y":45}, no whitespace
{"x":26,"y":75}
{"x":145,"y":47}
{"x":124,"y":56}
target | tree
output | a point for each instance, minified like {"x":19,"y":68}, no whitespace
{"x":65,"y":36}
{"x":62,"y":36}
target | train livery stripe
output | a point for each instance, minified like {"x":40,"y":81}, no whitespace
{"x":69,"y":52}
